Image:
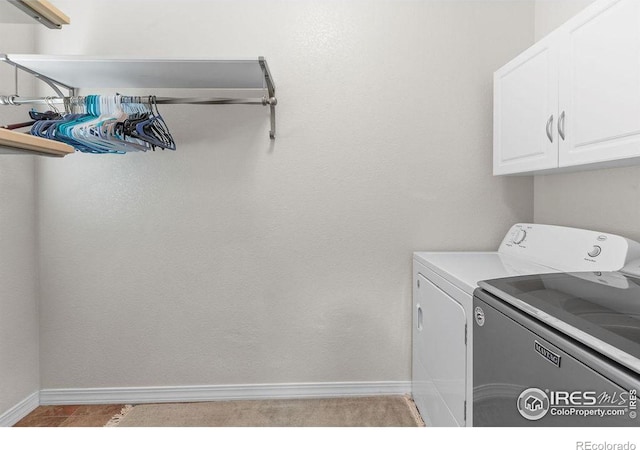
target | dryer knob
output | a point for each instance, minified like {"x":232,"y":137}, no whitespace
{"x":595,"y":251}
{"x":519,"y":237}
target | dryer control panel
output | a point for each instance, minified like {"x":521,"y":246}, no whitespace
{"x":569,"y":249}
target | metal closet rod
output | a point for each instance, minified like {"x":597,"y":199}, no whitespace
{"x":17,"y":100}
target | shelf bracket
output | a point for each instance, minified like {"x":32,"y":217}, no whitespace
{"x":53,"y":84}
{"x":271,"y":100}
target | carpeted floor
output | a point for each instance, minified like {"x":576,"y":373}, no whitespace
{"x":380,"y":411}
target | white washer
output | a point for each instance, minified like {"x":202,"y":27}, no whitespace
{"x":443,"y":285}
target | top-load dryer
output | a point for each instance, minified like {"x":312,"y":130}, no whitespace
{"x":443,"y":285}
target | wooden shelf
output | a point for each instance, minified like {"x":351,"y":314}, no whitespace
{"x":26,"y":143}
{"x":49,"y":11}
{"x":32,"y":11}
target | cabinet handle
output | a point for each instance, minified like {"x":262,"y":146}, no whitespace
{"x":549,"y":126}
{"x":561,"y":126}
{"x":419,"y":321}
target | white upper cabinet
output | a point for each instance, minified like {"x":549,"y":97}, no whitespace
{"x":572,"y":101}
{"x":600,"y":85}
{"x":525,"y":111}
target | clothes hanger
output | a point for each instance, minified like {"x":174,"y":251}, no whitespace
{"x":35,"y":116}
{"x":69,"y":131}
{"x":104,"y":124}
{"x":107,"y":129}
{"x":154,"y":130}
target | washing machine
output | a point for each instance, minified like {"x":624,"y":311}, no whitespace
{"x":443,"y":285}
{"x":558,"y":349}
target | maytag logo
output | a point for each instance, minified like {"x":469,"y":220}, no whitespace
{"x":547,"y":354}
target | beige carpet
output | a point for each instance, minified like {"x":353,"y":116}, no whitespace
{"x":381,"y":411}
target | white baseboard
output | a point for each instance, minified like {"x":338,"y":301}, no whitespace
{"x":164,"y":394}
{"x":17,"y":412}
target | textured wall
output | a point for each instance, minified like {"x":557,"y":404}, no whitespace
{"x":550,"y":14}
{"x":238,"y":260}
{"x":19,"y":371}
{"x":607,"y":199}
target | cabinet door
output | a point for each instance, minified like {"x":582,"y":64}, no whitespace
{"x":526,"y":110}
{"x":600,"y":84}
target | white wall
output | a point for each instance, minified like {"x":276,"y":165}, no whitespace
{"x":19,"y":369}
{"x":238,"y":260}
{"x":606,"y":200}
{"x":550,"y":14}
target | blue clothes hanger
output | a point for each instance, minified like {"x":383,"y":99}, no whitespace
{"x":107,"y":125}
